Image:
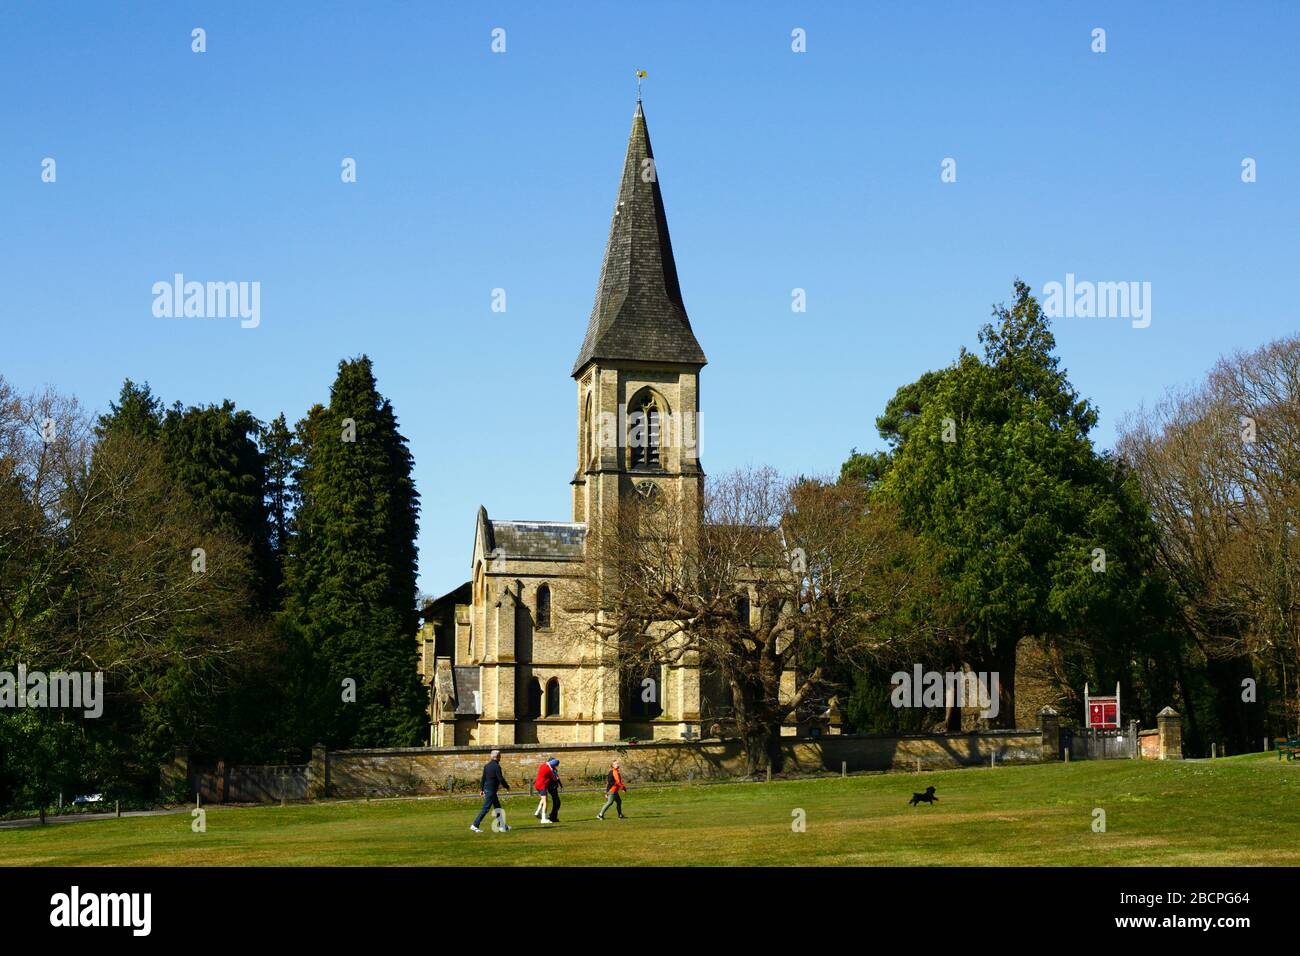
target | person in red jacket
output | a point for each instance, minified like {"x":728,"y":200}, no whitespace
{"x":613,"y":784}
{"x":545,"y":777}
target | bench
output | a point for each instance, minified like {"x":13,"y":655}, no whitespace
{"x":1289,"y":747}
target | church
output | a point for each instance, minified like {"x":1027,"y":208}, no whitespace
{"x":503,"y":660}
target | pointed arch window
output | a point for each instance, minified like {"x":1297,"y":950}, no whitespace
{"x":742,"y":609}
{"x":553,"y":697}
{"x":586,"y":432}
{"x":643,"y":433}
{"x":544,"y":606}
{"x":644,"y":694}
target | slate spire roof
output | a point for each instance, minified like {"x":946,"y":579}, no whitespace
{"x":639,"y":313}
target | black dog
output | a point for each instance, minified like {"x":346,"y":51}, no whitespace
{"x":927,"y":797}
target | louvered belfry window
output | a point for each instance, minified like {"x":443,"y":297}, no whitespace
{"x":644,"y":433}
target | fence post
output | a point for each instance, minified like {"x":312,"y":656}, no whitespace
{"x":318,"y":769}
{"x":844,"y":768}
{"x":1170,"y":725}
{"x":1049,"y":726}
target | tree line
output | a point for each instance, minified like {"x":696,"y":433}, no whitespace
{"x":246,"y":588}
{"x":992,"y":536}
{"x":1168,"y":565}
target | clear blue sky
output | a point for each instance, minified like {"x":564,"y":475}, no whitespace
{"x":779,"y":170}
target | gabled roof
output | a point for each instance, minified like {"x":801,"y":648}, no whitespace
{"x":466,"y":678}
{"x":639,"y":313}
{"x":546,"y":540}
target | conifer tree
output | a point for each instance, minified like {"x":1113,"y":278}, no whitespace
{"x":350,"y":580}
{"x":212,"y":453}
{"x":137,"y":411}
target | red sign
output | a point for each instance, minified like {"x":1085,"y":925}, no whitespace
{"x":1103,"y":712}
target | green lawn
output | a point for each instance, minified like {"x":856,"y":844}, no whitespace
{"x":1238,"y":811}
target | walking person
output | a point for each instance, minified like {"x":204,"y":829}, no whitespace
{"x":545,"y":774}
{"x":613,"y":784}
{"x":493,"y":780}
{"x":553,"y":785}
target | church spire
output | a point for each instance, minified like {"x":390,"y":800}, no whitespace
{"x":639,"y":313}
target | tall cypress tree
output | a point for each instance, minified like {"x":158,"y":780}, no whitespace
{"x":350,"y":581}
{"x":283,"y":457}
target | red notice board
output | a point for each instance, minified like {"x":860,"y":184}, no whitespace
{"x":1101,"y":713}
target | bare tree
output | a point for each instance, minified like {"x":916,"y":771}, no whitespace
{"x":1220,"y":466}
{"x":104,"y":563}
{"x":766,"y":580}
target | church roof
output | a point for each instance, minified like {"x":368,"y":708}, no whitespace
{"x":639,"y":313}
{"x":465,"y":680}
{"x":545,"y":540}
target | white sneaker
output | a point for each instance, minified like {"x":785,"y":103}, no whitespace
{"x":599,"y":817}
{"x":475,"y":829}
{"x":545,"y":821}
{"x":504,"y":829}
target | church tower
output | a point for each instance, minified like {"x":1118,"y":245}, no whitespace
{"x":511,"y":663}
{"x":638,"y":370}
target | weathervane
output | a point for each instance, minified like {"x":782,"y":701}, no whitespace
{"x":640,"y":75}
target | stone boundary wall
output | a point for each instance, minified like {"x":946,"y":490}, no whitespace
{"x":1149,"y":744}
{"x":390,"y":772}
{"x":417,"y":771}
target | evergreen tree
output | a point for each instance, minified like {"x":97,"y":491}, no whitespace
{"x":137,"y":411}
{"x":1035,"y":533}
{"x":283,"y":457}
{"x":350,"y":581}
{"x":212,"y":453}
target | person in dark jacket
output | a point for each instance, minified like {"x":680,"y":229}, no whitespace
{"x":553,"y":785}
{"x":493,"y":780}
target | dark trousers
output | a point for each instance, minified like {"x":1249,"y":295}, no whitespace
{"x":554,"y":793}
{"x":490,"y":801}
{"x":612,"y":797}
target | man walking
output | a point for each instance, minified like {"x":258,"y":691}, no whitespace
{"x":613,"y":784}
{"x":493,"y":779}
{"x":553,"y":785}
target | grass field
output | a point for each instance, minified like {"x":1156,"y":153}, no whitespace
{"x":1238,"y":811}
